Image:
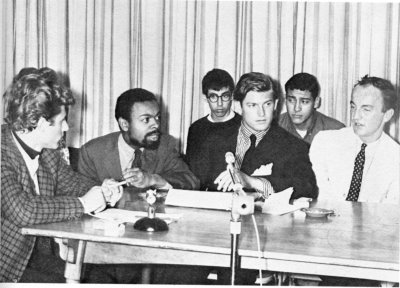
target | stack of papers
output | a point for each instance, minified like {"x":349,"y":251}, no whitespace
{"x":278,"y":203}
{"x":127,"y":216}
{"x":199,"y":199}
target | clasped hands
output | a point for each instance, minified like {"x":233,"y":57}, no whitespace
{"x":141,"y":179}
{"x":225,"y":183}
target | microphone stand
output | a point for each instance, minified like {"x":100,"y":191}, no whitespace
{"x":151,"y":223}
{"x":235,"y":229}
{"x":241,"y":205}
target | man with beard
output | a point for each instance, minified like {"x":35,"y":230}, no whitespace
{"x":140,"y":154}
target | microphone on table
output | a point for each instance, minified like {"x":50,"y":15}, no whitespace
{"x":241,"y":205}
{"x":151,"y":223}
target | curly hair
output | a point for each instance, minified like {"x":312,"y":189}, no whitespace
{"x":34,"y":93}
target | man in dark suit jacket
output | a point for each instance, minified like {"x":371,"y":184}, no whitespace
{"x":112,"y":155}
{"x":268,"y":158}
{"x":37,"y":186}
{"x":138,"y":153}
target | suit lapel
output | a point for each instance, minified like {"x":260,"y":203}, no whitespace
{"x":264,"y":146}
{"x":111,"y":159}
{"x":45,"y":179}
{"x":24,"y":176}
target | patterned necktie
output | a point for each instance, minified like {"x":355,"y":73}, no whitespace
{"x":137,"y":162}
{"x":355,"y":185}
{"x":246,"y":159}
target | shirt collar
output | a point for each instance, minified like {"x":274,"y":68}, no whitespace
{"x":371,"y":147}
{"x":310,"y":129}
{"x":31,"y":152}
{"x":247,"y":131}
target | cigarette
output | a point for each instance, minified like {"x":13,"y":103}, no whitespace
{"x":121,"y":183}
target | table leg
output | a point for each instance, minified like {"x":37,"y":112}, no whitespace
{"x":281,"y":278}
{"x":73,"y":264}
{"x":146,"y":274}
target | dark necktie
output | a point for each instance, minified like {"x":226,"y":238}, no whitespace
{"x":137,"y":162}
{"x":246,"y":159}
{"x":355,"y":185}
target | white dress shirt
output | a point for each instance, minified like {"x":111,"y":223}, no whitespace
{"x":332,"y":155}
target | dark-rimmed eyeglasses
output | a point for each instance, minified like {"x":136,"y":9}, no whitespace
{"x":226,"y":97}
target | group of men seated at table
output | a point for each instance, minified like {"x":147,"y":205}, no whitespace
{"x":302,"y":148}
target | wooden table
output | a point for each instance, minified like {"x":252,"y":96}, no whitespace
{"x":361,"y":241}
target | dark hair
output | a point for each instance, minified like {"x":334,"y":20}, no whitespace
{"x":303,"y":82}
{"x":34,"y":93}
{"x":387,"y":89}
{"x":126,"y":100}
{"x":255,"y":81}
{"x":217,"y":79}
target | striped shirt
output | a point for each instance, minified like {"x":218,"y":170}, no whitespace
{"x":243,"y":144}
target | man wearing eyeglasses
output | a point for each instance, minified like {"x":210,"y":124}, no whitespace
{"x":217,"y":86}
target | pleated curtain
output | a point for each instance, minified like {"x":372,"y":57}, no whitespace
{"x":104,"y":47}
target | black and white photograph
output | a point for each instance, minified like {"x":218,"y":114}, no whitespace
{"x":200,"y":142}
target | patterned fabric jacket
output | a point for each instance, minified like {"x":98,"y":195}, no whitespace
{"x":21,"y":206}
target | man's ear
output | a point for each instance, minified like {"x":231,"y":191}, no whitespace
{"x":276,"y":104}
{"x":123,"y":124}
{"x":42,"y":124}
{"x":317,"y":102}
{"x":388,"y":115}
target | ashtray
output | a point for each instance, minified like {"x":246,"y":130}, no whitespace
{"x":317,"y":212}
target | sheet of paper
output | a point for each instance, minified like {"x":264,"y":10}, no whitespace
{"x":127,"y":216}
{"x":278,"y":203}
{"x":199,"y":199}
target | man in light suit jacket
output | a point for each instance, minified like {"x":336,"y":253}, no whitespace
{"x":37,"y":186}
{"x":336,"y":155}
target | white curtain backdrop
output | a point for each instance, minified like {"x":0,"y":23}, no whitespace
{"x":104,"y":47}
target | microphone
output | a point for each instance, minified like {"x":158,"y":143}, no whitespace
{"x":230,"y":161}
{"x":241,"y":205}
{"x":237,"y":186}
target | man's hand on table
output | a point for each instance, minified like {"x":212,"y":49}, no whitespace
{"x":142,"y":179}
